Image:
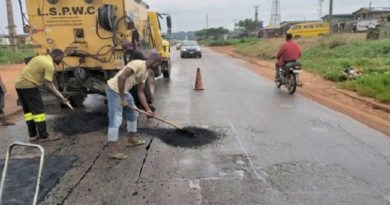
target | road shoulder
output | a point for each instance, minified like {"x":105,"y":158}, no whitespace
{"x":373,"y":114}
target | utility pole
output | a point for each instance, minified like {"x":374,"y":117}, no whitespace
{"x":330,"y":12}
{"x":256,"y":12}
{"x":11,"y":25}
{"x":207,"y":20}
{"x":320,"y":8}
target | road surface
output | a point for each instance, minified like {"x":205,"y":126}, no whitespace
{"x":273,"y":148}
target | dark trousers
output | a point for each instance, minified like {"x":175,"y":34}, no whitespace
{"x":1,"y":104}
{"x":34,"y":111}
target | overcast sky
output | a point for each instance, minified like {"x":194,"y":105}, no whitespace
{"x":191,"y":15}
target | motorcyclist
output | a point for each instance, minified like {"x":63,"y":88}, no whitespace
{"x":288,"y":52}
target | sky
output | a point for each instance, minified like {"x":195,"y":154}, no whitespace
{"x":188,"y":16}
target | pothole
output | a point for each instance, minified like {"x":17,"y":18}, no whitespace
{"x":189,"y":137}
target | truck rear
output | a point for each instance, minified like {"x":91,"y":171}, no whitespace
{"x":90,"y":33}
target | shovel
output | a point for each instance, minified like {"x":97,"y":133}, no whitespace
{"x":179,"y":127}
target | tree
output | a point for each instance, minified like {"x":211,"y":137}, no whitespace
{"x":212,"y":33}
{"x":248,"y":25}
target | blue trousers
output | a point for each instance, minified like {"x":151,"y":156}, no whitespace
{"x":115,"y":114}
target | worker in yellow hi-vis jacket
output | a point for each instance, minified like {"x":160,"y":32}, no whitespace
{"x":40,"y":70}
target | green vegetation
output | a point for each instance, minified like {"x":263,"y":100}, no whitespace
{"x":229,"y":42}
{"x":329,"y":56}
{"x":371,"y":85}
{"x":248,"y":25}
{"x":9,"y":57}
{"x":211,"y":33}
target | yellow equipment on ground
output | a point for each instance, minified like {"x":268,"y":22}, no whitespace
{"x":90,"y":33}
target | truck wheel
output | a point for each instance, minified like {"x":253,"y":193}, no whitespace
{"x":77,"y":100}
{"x":158,"y":71}
{"x":167,"y":73}
{"x":166,"y":69}
{"x":150,"y":86}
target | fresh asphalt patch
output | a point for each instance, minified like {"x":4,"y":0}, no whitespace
{"x":80,"y":123}
{"x":189,"y":137}
{"x":22,"y":177}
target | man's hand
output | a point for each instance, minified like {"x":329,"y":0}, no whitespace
{"x":124,"y":103}
{"x":150,"y":113}
{"x":67,"y":103}
{"x":64,"y":101}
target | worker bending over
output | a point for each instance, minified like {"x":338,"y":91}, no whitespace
{"x":121,"y":101}
{"x":39,"y":71}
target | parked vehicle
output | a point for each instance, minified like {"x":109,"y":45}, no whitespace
{"x":309,"y":30}
{"x":190,"y":49}
{"x":289,"y":76}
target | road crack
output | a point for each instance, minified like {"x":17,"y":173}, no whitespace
{"x":144,"y":160}
{"x":82,"y":177}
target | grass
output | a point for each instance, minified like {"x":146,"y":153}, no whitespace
{"x":7,"y":56}
{"x":374,"y":85}
{"x":329,"y":56}
{"x":230,"y":42}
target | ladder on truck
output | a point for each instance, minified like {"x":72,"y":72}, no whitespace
{"x":5,"y":169}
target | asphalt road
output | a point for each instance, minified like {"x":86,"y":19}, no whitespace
{"x":273,"y":148}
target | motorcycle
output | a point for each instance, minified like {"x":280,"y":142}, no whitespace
{"x":289,"y":76}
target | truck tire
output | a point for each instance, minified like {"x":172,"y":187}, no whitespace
{"x":167,"y":73}
{"x":150,"y":86}
{"x":166,"y":69}
{"x":157,"y":72}
{"x":77,"y":100}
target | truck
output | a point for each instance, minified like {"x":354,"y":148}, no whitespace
{"x":90,"y":33}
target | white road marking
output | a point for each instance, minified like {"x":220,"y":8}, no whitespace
{"x":237,"y":137}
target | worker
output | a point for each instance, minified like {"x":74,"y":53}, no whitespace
{"x":130,"y":53}
{"x":135,"y":38}
{"x":3,"y":121}
{"x":289,"y":52}
{"x":121,"y":101}
{"x":39,"y":71}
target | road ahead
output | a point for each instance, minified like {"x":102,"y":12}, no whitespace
{"x":273,"y":148}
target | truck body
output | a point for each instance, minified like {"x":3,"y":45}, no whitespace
{"x":90,"y":33}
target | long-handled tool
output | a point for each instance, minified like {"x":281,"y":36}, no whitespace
{"x":69,"y":105}
{"x":159,"y":118}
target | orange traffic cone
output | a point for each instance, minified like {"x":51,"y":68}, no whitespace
{"x":198,"y":81}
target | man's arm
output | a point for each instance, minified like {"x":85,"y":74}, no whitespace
{"x":53,"y":90}
{"x":142,"y":99}
{"x":280,"y":52}
{"x":121,"y":84}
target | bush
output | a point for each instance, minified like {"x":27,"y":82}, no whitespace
{"x":7,"y":56}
